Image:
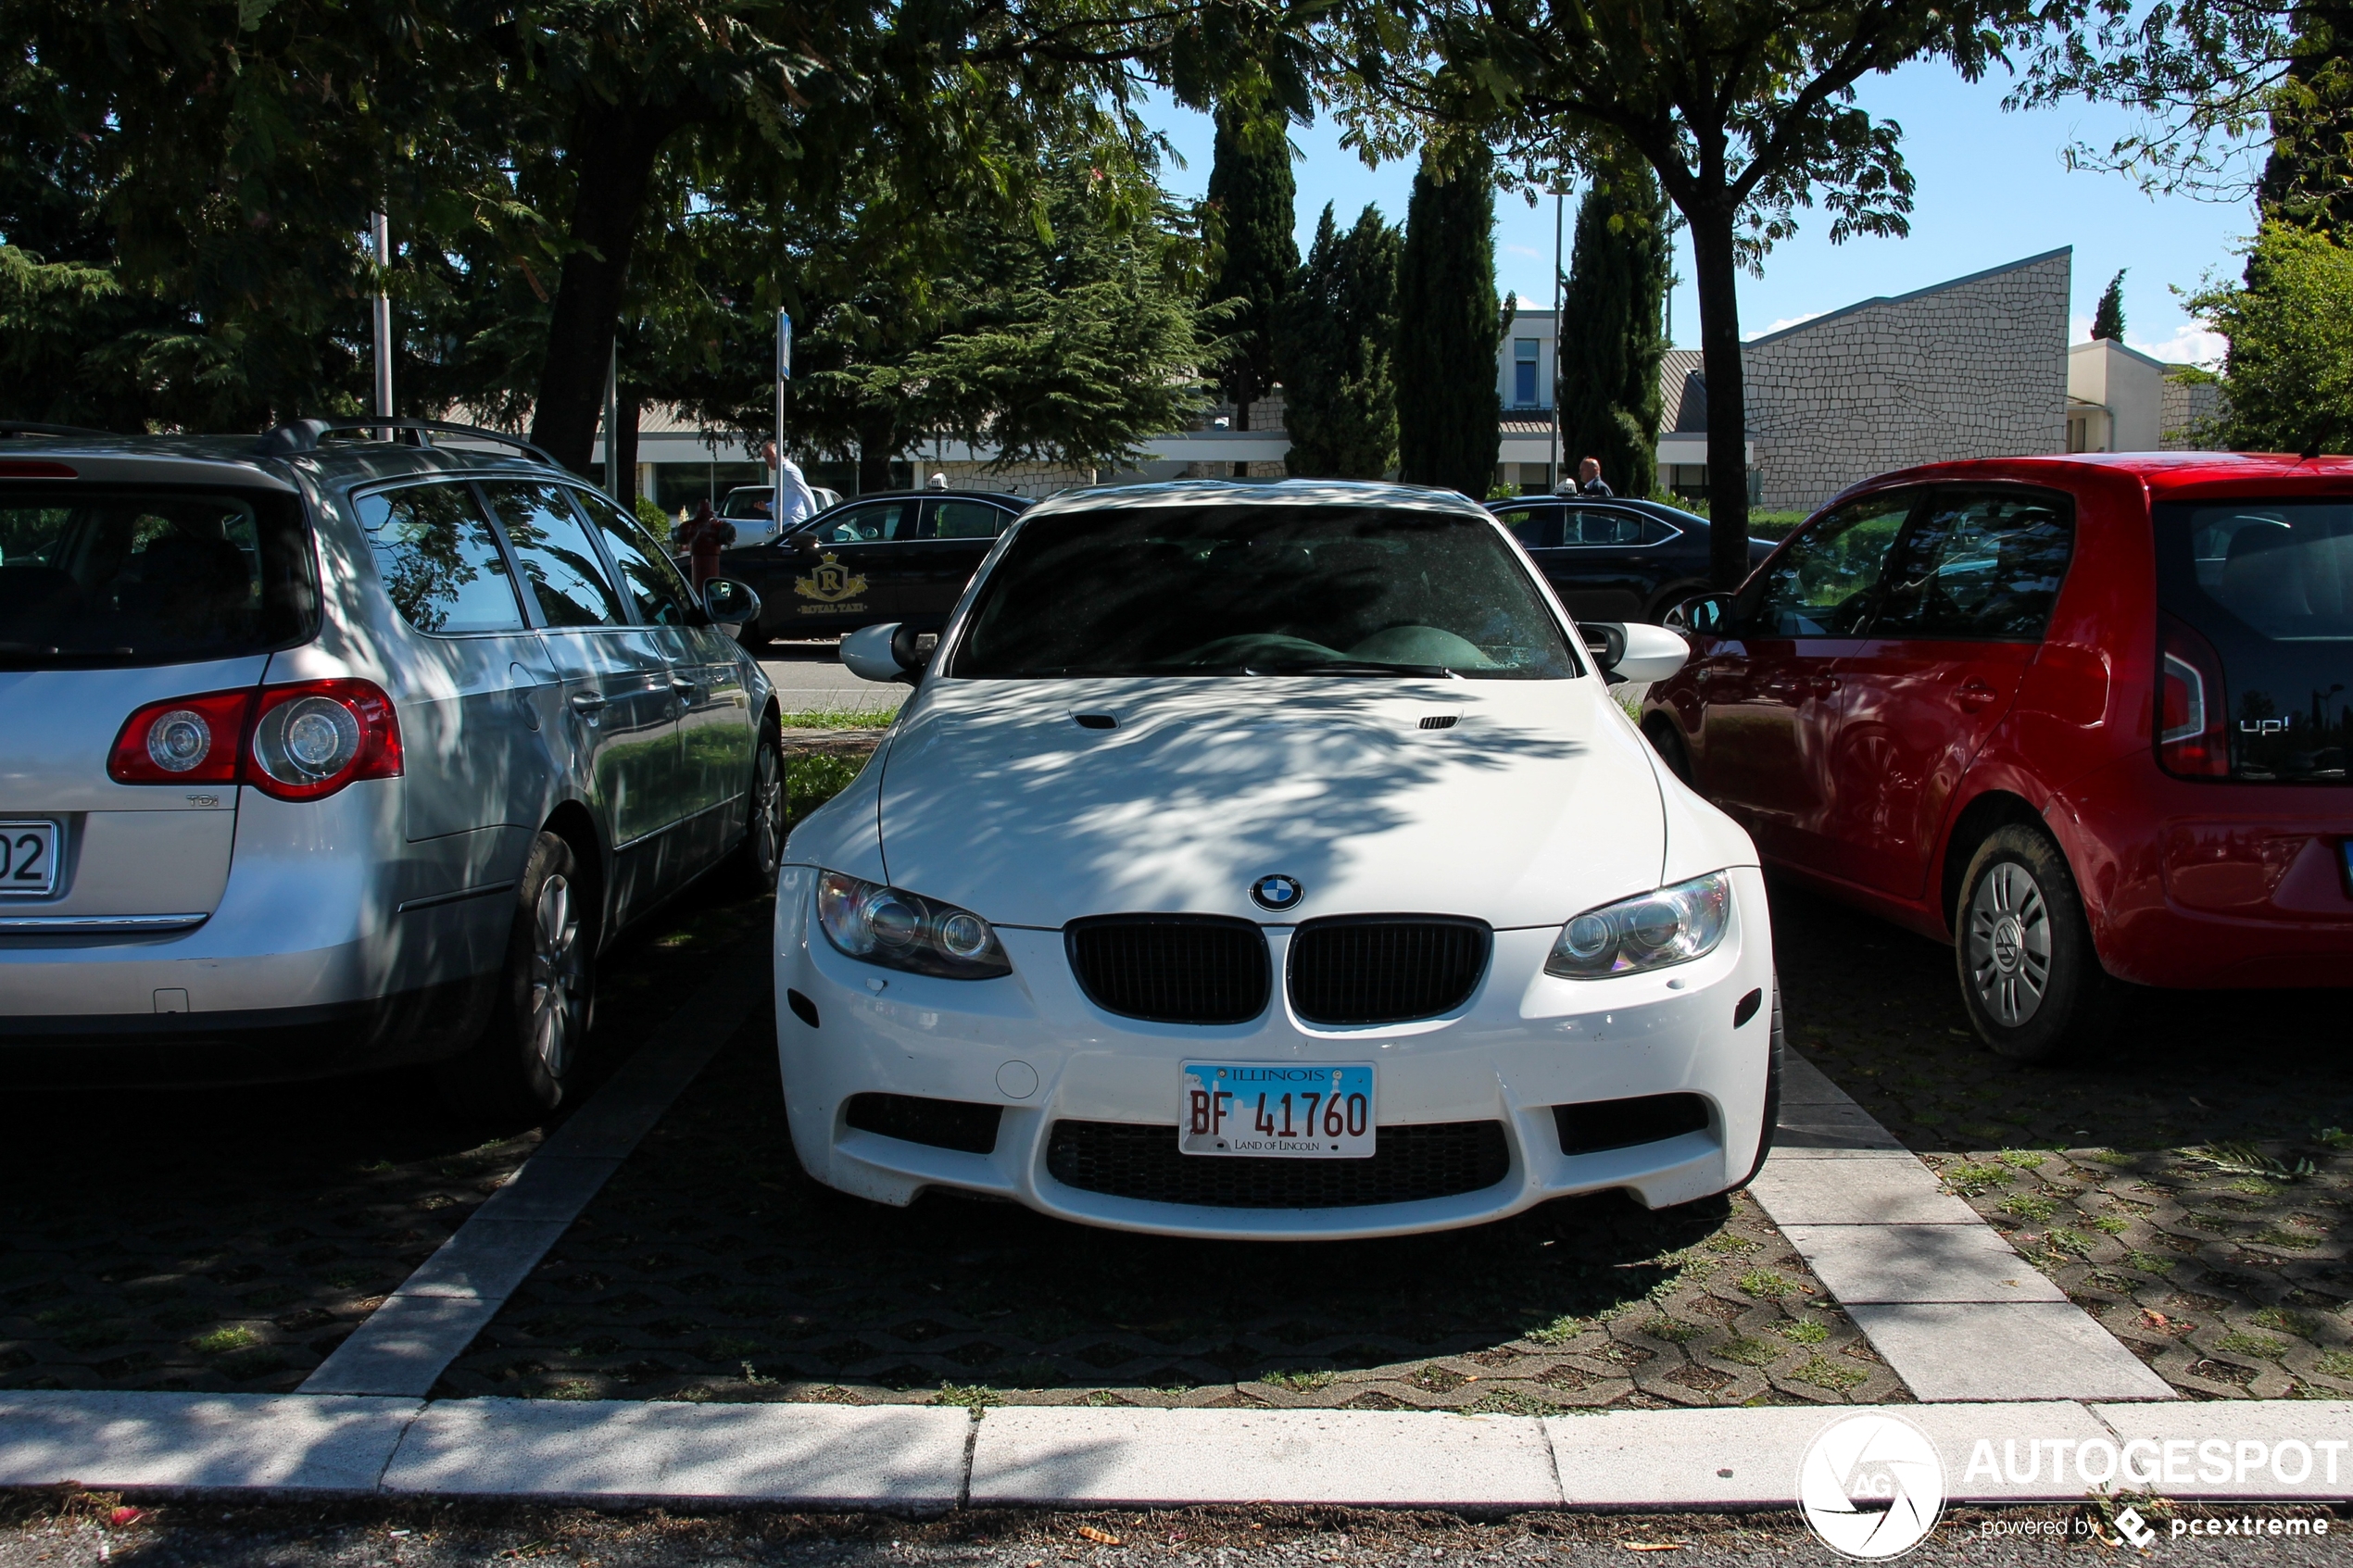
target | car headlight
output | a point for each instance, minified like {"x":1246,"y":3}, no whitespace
{"x":898,"y":930}
{"x":1655,"y":931}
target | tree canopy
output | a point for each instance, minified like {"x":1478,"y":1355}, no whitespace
{"x":2107,"y":319}
{"x":1251,"y":194}
{"x":1745,"y":109}
{"x":2288,"y":382}
{"x":1338,"y":352}
{"x":1611,"y":332}
{"x":1448,"y":412}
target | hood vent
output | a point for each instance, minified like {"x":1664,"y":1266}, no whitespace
{"x":1096,"y":721}
{"x":1172,"y":968}
{"x":1439,"y":720}
{"x":1385,"y":969}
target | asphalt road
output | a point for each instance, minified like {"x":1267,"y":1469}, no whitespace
{"x":810,"y":678}
{"x":419,"y":1534}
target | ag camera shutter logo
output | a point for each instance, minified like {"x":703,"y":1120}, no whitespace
{"x":1871,"y":1486}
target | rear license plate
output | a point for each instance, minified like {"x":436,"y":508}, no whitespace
{"x":1280,"y":1109}
{"x":28,"y":858}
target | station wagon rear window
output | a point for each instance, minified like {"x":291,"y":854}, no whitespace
{"x":1242,"y":590}
{"x":124,"y":576}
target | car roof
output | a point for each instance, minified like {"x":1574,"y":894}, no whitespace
{"x":2160,"y":471}
{"x":240,"y":459}
{"x":1640,"y":503}
{"x":1279,"y":493}
{"x":1002,"y":498}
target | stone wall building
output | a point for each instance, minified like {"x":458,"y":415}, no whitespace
{"x":1974,"y":368}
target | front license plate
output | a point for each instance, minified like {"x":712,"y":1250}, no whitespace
{"x":28,"y":858}
{"x":1292,"y":1111}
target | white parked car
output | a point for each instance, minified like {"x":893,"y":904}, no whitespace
{"x":1271,"y":862}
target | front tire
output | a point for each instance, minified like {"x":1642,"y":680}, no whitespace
{"x":2031,"y":979}
{"x":1669,"y":743}
{"x":528,"y":1057}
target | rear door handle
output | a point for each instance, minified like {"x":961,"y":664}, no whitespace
{"x":587,"y":702}
{"x":680,"y":685}
{"x":1974,"y":693}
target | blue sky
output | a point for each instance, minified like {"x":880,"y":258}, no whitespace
{"x":1993,"y":188}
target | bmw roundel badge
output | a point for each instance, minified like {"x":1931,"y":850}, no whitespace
{"x":1277,"y":893}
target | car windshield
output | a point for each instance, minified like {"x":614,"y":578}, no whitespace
{"x":2269,"y":584}
{"x":1243,"y":589}
{"x":112,"y":576}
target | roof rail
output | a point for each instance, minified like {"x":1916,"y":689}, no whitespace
{"x":303,"y":435}
{"x":20,"y":427}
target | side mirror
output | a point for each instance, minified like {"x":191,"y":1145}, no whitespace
{"x":731,"y":605}
{"x":1640,"y":653}
{"x":872,"y":653}
{"x":801,"y":543}
{"x":1706,"y":614}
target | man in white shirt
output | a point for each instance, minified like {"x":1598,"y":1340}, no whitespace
{"x":799,"y":501}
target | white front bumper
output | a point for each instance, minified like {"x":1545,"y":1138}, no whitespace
{"x":1525,"y":1042}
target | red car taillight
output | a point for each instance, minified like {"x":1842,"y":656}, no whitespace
{"x":2191,"y":741}
{"x":297,"y":742}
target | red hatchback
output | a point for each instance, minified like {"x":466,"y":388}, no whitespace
{"x":2088,"y":718}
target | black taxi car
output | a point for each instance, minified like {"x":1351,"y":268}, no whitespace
{"x":901,"y":555}
{"x":1612,"y":559}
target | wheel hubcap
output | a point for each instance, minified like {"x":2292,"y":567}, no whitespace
{"x":555,"y":975}
{"x":2009,"y":944}
{"x":768,"y":811}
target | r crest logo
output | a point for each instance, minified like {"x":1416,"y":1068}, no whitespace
{"x":829,"y":582}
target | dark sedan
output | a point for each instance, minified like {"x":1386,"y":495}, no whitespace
{"x":1616,"y":560}
{"x":899,"y":556}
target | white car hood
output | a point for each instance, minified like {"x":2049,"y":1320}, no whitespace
{"x":1538,"y":802}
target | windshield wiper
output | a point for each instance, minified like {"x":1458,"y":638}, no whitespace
{"x":1348,"y":666}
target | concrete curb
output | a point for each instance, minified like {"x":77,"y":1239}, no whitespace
{"x":927,"y":1459}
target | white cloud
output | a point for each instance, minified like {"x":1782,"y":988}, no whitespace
{"x":2190,"y":343}
{"x":1784,"y":323}
{"x":1524,"y":250}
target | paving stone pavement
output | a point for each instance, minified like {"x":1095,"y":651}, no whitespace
{"x":2191,"y":1187}
{"x":711,"y":1269}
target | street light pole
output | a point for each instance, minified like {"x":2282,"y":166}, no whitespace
{"x":381,"y":224}
{"x":1553,"y":453}
{"x":784,"y":374}
{"x":612,"y":422}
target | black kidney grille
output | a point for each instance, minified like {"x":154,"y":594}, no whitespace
{"x":1385,"y":969}
{"x":1123,"y":1160}
{"x":1172,"y":968}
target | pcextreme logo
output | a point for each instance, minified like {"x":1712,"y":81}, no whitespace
{"x":1871,"y":1486}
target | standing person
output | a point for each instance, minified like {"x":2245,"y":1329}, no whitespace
{"x":792,"y":490}
{"x":704,"y":536}
{"x":1589,"y":481}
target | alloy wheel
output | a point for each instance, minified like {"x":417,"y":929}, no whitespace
{"x":554,"y":976}
{"x":768,"y":810}
{"x":2009,"y":944}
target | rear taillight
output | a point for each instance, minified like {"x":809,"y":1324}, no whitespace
{"x":296,"y":742}
{"x":187,"y":740}
{"x":2191,"y":741}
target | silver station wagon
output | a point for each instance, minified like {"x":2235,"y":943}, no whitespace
{"x":323,"y":752}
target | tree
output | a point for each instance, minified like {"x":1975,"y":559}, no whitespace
{"x":1252,"y":190}
{"x":2107,"y":319}
{"x":1337,"y":358}
{"x":1611,"y":333}
{"x":1743,"y":109}
{"x":1449,"y":413}
{"x":2288,"y":382}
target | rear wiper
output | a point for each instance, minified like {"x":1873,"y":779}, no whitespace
{"x":1348,"y":666}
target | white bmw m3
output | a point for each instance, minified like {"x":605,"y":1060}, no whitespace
{"x":1271,"y":862}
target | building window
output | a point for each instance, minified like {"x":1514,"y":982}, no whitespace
{"x":1524,"y":369}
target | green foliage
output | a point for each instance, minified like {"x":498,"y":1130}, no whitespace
{"x":813,"y":779}
{"x":1449,"y":413}
{"x":1611,"y":339}
{"x":2108,"y":320}
{"x":2288,"y":382}
{"x":1252,"y":191}
{"x":1338,"y":349}
{"x":653,"y":517}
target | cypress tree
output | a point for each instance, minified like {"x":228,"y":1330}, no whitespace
{"x":1251,"y":186}
{"x":1449,"y":413}
{"x":1340,"y":389}
{"x":2108,"y":320}
{"x":1611,"y":341}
